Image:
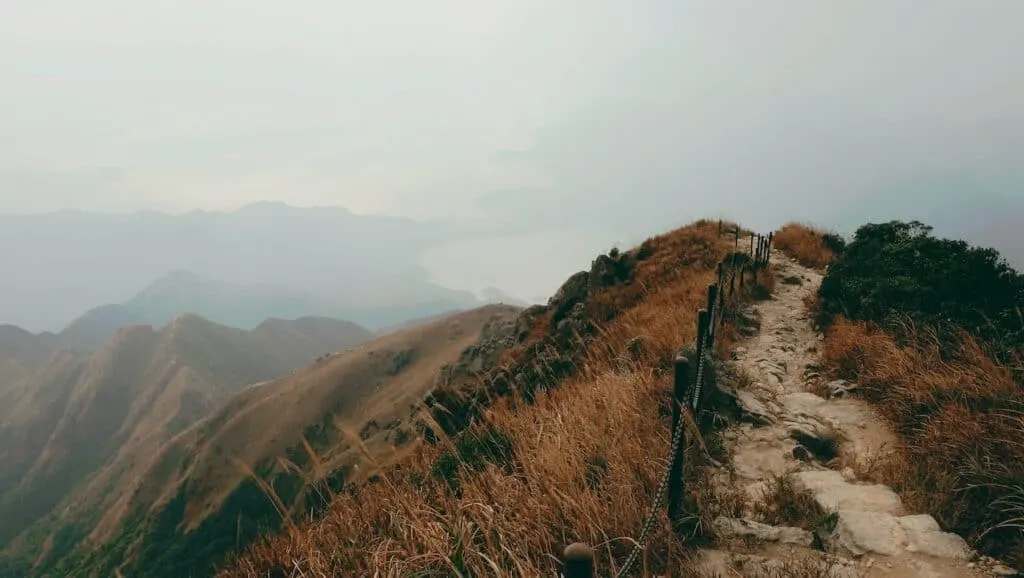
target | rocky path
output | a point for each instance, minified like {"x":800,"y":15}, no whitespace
{"x":793,"y":435}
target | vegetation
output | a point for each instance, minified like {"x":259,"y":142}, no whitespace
{"x":595,"y":442}
{"x":932,"y":331}
{"x":810,"y":246}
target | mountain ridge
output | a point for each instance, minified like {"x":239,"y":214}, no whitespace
{"x":86,"y":419}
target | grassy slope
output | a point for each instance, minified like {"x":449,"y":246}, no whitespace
{"x":950,"y":385}
{"x":85,"y":426}
{"x":578,"y":463}
{"x":201,"y":498}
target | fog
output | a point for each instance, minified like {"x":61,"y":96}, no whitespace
{"x":536,"y":133}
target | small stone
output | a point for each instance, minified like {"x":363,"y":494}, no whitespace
{"x":971,"y":565}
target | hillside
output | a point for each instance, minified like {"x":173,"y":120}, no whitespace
{"x":563,"y":438}
{"x":556,"y":434}
{"x":196,"y":494}
{"x":80,"y":425}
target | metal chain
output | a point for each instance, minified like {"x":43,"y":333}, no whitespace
{"x":677,"y":439}
{"x":660,"y":494}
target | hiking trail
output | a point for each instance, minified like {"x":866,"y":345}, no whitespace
{"x":792,"y":433}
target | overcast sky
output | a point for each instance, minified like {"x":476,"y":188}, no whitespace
{"x":576,"y":123}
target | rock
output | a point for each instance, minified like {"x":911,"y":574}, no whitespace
{"x":820,"y":438}
{"x":858,"y":533}
{"x":924,"y":535}
{"x":833,"y":493}
{"x":573,"y":291}
{"x":839,"y":388}
{"x":734,"y":527}
{"x":751,"y":409}
{"x":602,"y":273}
{"x":802,"y":454}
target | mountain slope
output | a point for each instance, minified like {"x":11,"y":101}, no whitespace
{"x":195,"y":494}
{"x":93,"y":329}
{"x":103,"y":415}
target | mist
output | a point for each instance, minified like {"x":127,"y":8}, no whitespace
{"x":530,"y":134}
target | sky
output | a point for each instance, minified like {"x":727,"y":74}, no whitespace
{"x":567,"y":125}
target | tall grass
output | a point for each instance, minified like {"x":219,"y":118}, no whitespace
{"x":581,"y":463}
{"x":961,"y":415}
{"x":808,"y":245}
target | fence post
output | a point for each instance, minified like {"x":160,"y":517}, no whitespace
{"x":736,"y":233}
{"x":757,"y":257}
{"x":752,"y":246}
{"x":578,"y":561}
{"x":768,"y":247}
{"x":676,"y":483}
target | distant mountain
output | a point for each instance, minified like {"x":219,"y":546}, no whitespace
{"x":69,"y":418}
{"x":173,"y":483}
{"x":244,"y":307}
{"x":67,"y":262}
{"x":90,"y":331}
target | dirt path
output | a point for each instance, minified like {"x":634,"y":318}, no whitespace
{"x":793,"y":435}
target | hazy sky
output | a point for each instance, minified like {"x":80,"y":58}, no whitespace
{"x":580,"y":122}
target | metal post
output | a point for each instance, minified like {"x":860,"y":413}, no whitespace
{"x":578,"y":561}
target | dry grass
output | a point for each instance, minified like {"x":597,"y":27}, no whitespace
{"x":784,"y":504}
{"x":581,"y":463}
{"x":804,"y":243}
{"x":962,"y":417}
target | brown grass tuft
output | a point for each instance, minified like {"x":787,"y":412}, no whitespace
{"x":804,"y":243}
{"x":581,"y":463}
{"x":785,"y":504}
{"x":962,"y":417}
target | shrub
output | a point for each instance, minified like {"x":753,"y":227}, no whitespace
{"x":894,"y":271}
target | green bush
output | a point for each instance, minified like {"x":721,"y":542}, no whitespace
{"x":898,"y":270}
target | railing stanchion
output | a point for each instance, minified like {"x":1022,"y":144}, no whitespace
{"x":578,"y":561}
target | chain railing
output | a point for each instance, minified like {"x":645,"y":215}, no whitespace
{"x":578,"y":559}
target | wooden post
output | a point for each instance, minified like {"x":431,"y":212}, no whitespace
{"x":578,"y":561}
{"x":757,"y":257}
{"x":752,"y":246}
{"x":768,"y":247}
{"x":736,"y":233}
{"x":676,"y":484}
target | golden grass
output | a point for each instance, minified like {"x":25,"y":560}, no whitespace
{"x":804,"y":243}
{"x":587,"y":458}
{"x":962,"y":417}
